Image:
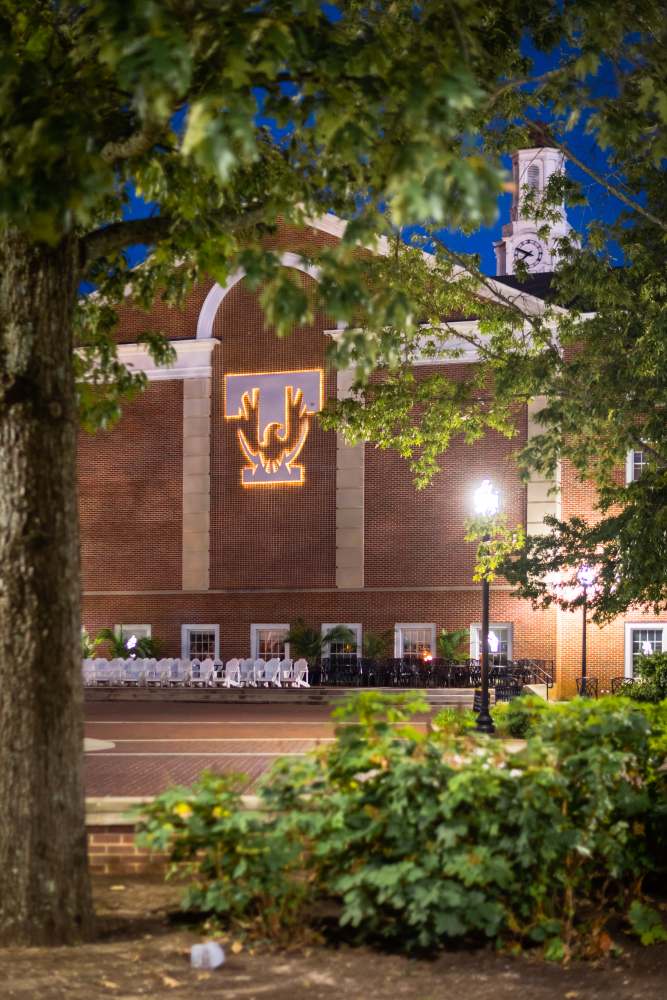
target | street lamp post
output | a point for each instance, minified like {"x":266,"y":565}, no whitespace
{"x":486,"y":503}
{"x":585,"y":576}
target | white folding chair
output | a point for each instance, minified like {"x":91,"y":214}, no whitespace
{"x":152,"y":672}
{"x":196,"y":677}
{"x":232,"y":676}
{"x":247,"y":672}
{"x":286,"y":672}
{"x":113,"y":671}
{"x":101,"y":672}
{"x":88,"y":672}
{"x":258,"y":671}
{"x":208,"y":668}
{"x":272,"y":672}
{"x":179,"y":670}
{"x":129,"y":672}
{"x":301,"y":673}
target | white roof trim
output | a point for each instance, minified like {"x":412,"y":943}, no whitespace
{"x":193,"y":360}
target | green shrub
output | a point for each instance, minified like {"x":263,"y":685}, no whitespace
{"x":651,"y":685}
{"x":458,"y":719}
{"x":519,"y":717}
{"x":420,"y":838}
{"x":244,"y":870}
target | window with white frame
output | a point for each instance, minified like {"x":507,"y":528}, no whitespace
{"x":199,"y":642}
{"x":268,"y":641}
{"x":641,"y":639}
{"x":343,"y":652}
{"x":635,"y":464}
{"x":501,"y":641}
{"x":414,"y":641}
{"x":138,"y":631}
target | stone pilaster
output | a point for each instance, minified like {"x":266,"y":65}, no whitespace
{"x":196,"y":483}
{"x":539,"y":501}
{"x":350,"y":460}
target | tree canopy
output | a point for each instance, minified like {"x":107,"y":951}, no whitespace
{"x":596,"y":353}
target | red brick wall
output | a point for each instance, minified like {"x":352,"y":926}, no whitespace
{"x":269,"y":536}
{"x":174,"y":323}
{"x":131,"y":496}
{"x":534,"y":634}
{"x":416,"y":537}
{"x":112,"y":851}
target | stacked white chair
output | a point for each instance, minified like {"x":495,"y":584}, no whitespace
{"x":272,"y":672}
{"x":232,"y":677}
{"x":151,"y":676}
{"x":88,"y":671}
{"x":301,"y":673}
{"x":178,"y":672}
{"x":115,"y":667}
{"x":196,"y":677}
{"x":101,"y":672}
{"x":286,"y":672}
{"x":259,"y":671}
{"x":208,"y":667}
{"x":247,"y":673}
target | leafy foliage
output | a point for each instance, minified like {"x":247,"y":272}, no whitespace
{"x":375,"y":646}
{"x":652,"y":673}
{"x":448,"y":643}
{"x":424,"y":837}
{"x":242,"y":870}
{"x":647,"y":923}
{"x":88,"y":647}
{"x":599,"y":363}
{"x":308,"y":643}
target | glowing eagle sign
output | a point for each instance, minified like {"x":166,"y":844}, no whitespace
{"x":275,"y":405}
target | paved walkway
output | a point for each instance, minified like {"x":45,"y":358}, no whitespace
{"x":139,"y":749}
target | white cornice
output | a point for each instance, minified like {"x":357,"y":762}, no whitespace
{"x":193,"y":360}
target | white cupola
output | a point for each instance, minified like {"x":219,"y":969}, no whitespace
{"x":534,"y":167}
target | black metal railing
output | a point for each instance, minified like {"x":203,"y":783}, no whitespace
{"x":437,"y":673}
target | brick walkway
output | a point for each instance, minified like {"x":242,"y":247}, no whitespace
{"x":157,"y":745}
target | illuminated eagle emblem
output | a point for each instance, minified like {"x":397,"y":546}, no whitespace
{"x":274,"y":407}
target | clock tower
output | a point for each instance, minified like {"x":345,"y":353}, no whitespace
{"x":533,"y":166}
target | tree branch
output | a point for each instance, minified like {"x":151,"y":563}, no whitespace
{"x":659,"y":459}
{"x":136,"y":145}
{"x":596,"y":177}
{"x":529,"y":79}
{"x":112,"y":238}
{"x":152,"y":230}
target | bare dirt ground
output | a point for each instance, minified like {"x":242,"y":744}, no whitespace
{"x":143,"y":951}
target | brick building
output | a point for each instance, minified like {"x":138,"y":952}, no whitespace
{"x":218,"y":510}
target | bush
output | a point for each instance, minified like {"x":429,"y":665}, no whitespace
{"x":652,"y":683}
{"x":420,"y":839}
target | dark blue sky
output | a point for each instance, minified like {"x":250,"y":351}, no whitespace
{"x":602,"y":205}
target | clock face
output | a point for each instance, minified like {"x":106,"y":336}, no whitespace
{"x":530,"y":251}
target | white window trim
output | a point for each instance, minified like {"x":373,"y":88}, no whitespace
{"x":254,"y":639}
{"x":129,"y":629}
{"x":629,"y":467}
{"x":185,"y":650}
{"x":355,"y":628}
{"x":492,"y":627}
{"x":629,"y":628}
{"x":398,"y":636}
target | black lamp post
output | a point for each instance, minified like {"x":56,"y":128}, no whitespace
{"x":486,"y":504}
{"x":585,"y":576}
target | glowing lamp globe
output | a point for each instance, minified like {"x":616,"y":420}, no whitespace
{"x":131,"y":642}
{"x":487,"y":500}
{"x":647,"y":648}
{"x":585,"y":576}
{"x":494,"y":642}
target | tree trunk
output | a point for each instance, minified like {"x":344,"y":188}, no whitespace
{"x":45,"y":893}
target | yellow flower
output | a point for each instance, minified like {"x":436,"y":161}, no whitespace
{"x":183,"y":810}
{"x":220,"y":812}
